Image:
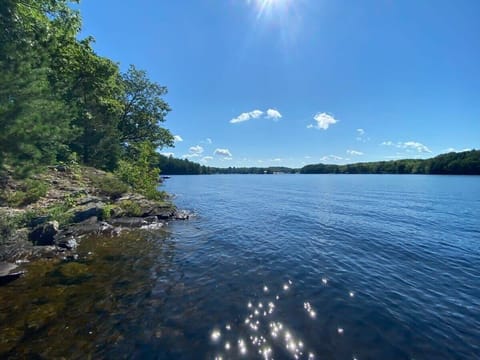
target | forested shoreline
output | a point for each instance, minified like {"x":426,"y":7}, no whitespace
{"x":63,"y":104}
{"x":453,"y":163}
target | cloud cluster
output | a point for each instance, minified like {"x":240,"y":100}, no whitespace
{"x":206,"y":158}
{"x":323,"y":121}
{"x":177,"y":138}
{"x":354,"y":152}
{"x":223,"y":153}
{"x":255,"y":114}
{"x":246,"y":116}
{"x":408,"y":145}
{"x":196,"y":149}
{"x":273,"y":114}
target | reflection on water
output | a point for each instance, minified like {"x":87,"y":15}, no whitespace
{"x":348,"y":269}
{"x":263,"y":333}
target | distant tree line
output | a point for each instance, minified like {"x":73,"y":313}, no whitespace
{"x":61,"y":102}
{"x":463,"y":163}
{"x":174,"y":166}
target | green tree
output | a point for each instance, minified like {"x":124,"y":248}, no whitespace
{"x":143,"y":111}
{"x":34,"y":121}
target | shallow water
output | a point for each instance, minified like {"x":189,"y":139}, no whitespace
{"x":327,"y":266}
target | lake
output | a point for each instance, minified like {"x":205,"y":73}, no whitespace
{"x":270,"y":266}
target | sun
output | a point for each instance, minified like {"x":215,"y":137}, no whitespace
{"x":270,"y":6}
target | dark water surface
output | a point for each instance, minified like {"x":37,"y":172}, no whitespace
{"x":284,"y":267}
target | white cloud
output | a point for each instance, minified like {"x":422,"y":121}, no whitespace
{"x":273,"y":114}
{"x":196,"y":150}
{"x":189,"y":156}
{"x":323,"y":120}
{"x":277,"y":160}
{"x":177,"y":138}
{"x":455,"y":150}
{"x":167,"y":154}
{"x":223,"y":152}
{"x":255,"y":114}
{"x":413,"y":145}
{"x":354,"y":152}
{"x":362,"y":135}
{"x":207,"y":158}
{"x":408,"y":145}
{"x":331,"y":158}
{"x":247,"y":116}
{"x":208,"y":140}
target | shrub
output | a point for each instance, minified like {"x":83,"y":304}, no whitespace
{"x":110,"y":186}
{"x":141,"y":172}
{"x":131,"y":208}
{"x":28,"y":192}
{"x":107,"y":211}
{"x":7,"y":227}
{"x":60,"y":213}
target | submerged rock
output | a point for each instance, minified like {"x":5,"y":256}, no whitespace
{"x":72,"y":272}
{"x":6,"y":274}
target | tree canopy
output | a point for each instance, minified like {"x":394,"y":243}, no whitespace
{"x":60,"y":99}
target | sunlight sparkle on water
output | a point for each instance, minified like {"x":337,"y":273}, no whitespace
{"x":216,"y":335}
{"x":264,"y":332}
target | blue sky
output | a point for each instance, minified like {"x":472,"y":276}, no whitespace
{"x":293,"y":82}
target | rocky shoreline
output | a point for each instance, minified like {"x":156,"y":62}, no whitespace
{"x":89,"y":209}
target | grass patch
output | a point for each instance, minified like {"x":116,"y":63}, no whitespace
{"x":28,"y":192}
{"x":109,"y":185}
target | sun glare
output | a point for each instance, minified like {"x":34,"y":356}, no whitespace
{"x":270,"y":6}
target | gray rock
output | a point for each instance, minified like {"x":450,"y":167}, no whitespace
{"x":6,"y":268}
{"x":87,"y":212}
{"x":182,"y":215}
{"x":39,"y":220}
{"x":129,"y":222}
{"x":44,"y":234}
{"x":69,"y":243}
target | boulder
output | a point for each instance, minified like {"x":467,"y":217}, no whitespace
{"x":44,"y":234}
{"x":90,"y":210}
{"x":182,"y":215}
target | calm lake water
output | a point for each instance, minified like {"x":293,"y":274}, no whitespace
{"x":271,"y":266}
